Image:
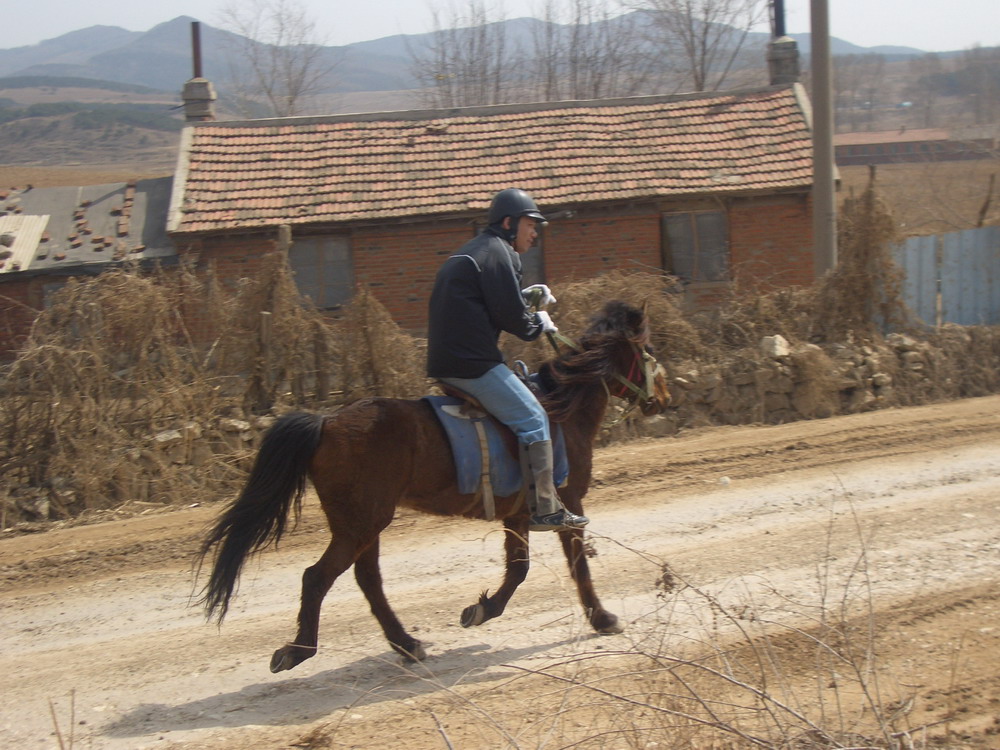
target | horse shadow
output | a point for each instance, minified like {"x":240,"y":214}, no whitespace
{"x":366,"y":681}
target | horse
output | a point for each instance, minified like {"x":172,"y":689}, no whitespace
{"x":345,"y":454}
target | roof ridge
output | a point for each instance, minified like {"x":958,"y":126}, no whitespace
{"x":492,"y":110}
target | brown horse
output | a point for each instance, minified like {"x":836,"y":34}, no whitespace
{"x":345,"y":456}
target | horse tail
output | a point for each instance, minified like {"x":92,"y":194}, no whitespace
{"x":259,"y":514}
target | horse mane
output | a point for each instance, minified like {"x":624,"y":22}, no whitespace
{"x":568,"y":380}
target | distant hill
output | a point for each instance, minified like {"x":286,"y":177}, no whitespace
{"x":68,"y":82}
{"x":161,"y":57}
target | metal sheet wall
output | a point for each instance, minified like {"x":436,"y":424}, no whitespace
{"x":964,"y":266}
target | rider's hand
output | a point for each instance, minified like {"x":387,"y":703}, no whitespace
{"x":545,"y":321}
{"x":544,"y":294}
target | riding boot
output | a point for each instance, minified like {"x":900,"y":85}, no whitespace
{"x":547,"y":511}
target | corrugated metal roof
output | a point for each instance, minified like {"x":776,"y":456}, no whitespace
{"x":19,"y":237}
{"x":94,"y":224}
{"x":253,"y":174}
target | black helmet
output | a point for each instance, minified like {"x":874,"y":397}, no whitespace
{"x":513,"y":202}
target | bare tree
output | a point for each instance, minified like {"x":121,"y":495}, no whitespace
{"x":585,"y":52}
{"x":277,"y":59}
{"x":978,"y":80}
{"x":857,"y":83}
{"x":923,"y":90}
{"x":468,"y":61}
{"x":704,"y":38}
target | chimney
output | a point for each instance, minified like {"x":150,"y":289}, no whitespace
{"x":782,"y":50}
{"x":198,"y":94}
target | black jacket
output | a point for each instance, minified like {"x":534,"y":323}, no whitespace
{"x":477,"y":294}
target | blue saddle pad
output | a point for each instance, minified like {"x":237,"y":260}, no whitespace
{"x":505,"y":469}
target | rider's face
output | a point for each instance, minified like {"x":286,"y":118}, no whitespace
{"x":527,"y":233}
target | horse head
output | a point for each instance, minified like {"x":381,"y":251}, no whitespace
{"x":633,"y":372}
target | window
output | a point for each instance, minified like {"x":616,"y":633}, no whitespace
{"x":49,"y":290}
{"x":533,"y":265}
{"x":322,"y":269}
{"x":697,"y":245}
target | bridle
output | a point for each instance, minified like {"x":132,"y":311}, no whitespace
{"x":643,"y":363}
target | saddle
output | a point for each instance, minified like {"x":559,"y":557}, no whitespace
{"x":485,"y":451}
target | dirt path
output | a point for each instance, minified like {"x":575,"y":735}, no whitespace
{"x":889,"y":516}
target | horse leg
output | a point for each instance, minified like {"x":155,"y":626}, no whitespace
{"x":600,"y":619}
{"x":516,"y":548}
{"x":369,"y":578}
{"x":316,"y":582}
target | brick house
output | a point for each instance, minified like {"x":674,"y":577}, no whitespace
{"x":710,"y":187}
{"x":909,"y":145}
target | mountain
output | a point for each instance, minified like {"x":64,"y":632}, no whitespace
{"x":161,"y":57}
{"x":840,"y":47}
{"x":74,"y":48}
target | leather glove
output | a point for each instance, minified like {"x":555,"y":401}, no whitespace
{"x":544,"y":294}
{"x":545,"y":321}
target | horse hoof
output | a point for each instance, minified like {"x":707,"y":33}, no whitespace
{"x":472,"y":615}
{"x":289,"y":656}
{"x":607,"y":624}
{"x":412,"y":654}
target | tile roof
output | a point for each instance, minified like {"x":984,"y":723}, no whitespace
{"x":45,"y":229}
{"x":252,"y":174}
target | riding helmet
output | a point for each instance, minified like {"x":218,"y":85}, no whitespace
{"x":513,"y":202}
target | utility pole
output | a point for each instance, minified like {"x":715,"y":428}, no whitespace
{"x":824,"y":203}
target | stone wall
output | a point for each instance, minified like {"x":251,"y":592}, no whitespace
{"x":779,"y":382}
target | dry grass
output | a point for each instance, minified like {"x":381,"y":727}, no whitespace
{"x":110,"y":401}
{"x":933,"y":197}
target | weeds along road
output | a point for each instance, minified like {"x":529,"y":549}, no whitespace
{"x":893,"y":515}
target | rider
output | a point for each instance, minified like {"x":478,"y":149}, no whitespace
{"x":476,"y":296}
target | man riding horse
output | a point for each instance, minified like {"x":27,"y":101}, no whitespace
{"x":477,"y":295}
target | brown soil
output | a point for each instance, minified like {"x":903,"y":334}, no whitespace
{"x":14,"y":176}
{"x":933,"y":197}
{"x":97,"y":618}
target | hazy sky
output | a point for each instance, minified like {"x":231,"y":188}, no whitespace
{"x":926,"y":25}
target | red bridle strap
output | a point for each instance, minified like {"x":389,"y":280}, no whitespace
{"x":633,"y":372}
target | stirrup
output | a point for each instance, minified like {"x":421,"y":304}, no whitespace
{"x":561,"y":519}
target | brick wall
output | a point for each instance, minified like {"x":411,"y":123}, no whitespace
{"x":587,"y":246}
{"x":19,"y":305}
{"x":771,"y":241}
{"x":398,"y":264}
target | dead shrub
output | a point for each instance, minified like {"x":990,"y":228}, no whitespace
{"x":376,"y":357}
{"x":863,"y":294}
{"x":111,"y":401}
{"x":102,"y":372}
{"x":748,"y":314}
{"x":671,"y":335}
{"x":817,"y":392}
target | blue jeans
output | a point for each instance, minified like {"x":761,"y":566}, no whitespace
{"x":504,"y":396}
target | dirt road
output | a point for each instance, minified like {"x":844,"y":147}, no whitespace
{"x":892,"y":517}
